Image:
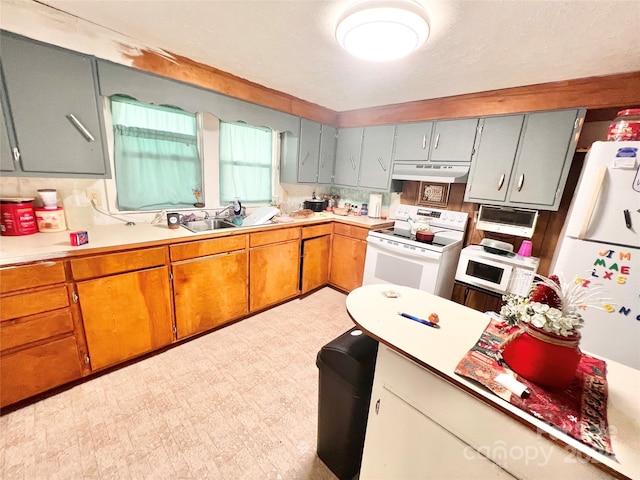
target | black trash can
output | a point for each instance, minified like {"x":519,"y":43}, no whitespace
{"x":346,"y":366}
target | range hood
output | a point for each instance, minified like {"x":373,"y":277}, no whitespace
{"x":430,"y":172}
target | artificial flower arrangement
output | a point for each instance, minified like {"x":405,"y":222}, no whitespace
{"x":543,"y":346}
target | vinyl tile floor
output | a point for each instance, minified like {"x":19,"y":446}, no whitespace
{"x":238,"y":403}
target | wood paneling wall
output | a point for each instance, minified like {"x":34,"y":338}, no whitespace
{"x":604,"y":92}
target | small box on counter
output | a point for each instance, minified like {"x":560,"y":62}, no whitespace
{"x":79,"y":238}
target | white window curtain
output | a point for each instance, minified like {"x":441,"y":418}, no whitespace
{"x":245,"y":163}
{"x":157,"y":164}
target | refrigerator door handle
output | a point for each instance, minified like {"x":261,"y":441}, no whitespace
{"x":591,"y":205}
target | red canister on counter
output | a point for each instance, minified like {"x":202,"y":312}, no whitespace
{"x":17,"y":217}
{"x":626,"y":126}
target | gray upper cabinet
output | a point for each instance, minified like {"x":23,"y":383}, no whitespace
{"x":348,"y":156}
{"x":309,"y":157}
{"x":544,"y":157}
{"x":375,"y":164}
{"x":453,"y":140}
{"x":523,"y":161}
{"x":327,"y":154}
{"x":412,"y":141}
{"x":493,"y":159}
{"x":55,"y":110}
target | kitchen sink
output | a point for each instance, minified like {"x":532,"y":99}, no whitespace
{"x":208,"y":224}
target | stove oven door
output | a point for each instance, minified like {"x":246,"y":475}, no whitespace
{"x":403,"y":264}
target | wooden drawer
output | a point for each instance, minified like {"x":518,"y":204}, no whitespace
{"x":350,"y":231}
{"x":24,"y":304}
{"x":20,"y":277}
{"x":112,"y":263}
{"x":15,"y":333}
{"x":273,"y":236}
{"x":38,"y":369}
{"x":317,"y":230}
{"x":207,"y":247}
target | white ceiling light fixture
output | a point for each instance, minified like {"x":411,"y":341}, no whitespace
{"x":383,"y":30}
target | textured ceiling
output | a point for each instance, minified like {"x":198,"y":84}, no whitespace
{"x":473,"y":46}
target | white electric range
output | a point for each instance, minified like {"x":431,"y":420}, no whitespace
{"x":395,"y":256}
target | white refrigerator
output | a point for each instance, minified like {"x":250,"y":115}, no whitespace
{"x":600,"y":244}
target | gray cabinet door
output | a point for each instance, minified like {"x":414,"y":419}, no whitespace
{"x":375,"y":165}
{"x":327,"y":154}
{"x":493,"y":159}
{"x":348,"y":156}
{"x":308,"y":158}
{"x":6,"y":155}
{"x":412,"y":141}
{"x":452,"y":140}
{"x":54,"y":107}
{"x":544,"y":156}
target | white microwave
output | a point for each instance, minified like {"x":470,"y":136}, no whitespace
{"x":496,"y":273}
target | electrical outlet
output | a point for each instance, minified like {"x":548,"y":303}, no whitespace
{"x":93,"y":194}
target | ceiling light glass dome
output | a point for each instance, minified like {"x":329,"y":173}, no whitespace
{"x":382,"y":31}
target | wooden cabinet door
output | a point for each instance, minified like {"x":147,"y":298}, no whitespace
{"x":315,"y":262}
{"x":494,"y":159}
{"x":412,"y":141}
{"x":274,"y":274}
{"x":348,"y":156}
{"x":37,"y":369}
{"x":126,"y":315}
{"x":327,"y":154}
{"x":453,"y":140}
{"x":347,"y":262}
{"x":210,"y":291}
{"x":308,"y":158}
{"x":375,"y":165}
{"x":544,"y":157}
{"x":63,"y":133}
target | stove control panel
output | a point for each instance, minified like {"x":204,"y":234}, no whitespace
{"x":438,"y":218}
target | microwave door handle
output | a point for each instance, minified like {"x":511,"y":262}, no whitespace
{"x":591,"y":203}
{"x":401,"y":251}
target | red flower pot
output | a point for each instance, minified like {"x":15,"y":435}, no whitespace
{"x":544,"y":358}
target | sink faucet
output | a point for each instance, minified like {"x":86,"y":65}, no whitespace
{"x":225,"y":209}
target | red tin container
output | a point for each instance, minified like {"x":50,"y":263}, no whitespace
{"x":626,"y":126}
{"x":17,"y":217}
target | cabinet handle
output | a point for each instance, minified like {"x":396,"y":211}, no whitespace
{"x":81,"y":128}
{"x":435,"y":147}
{"x":501,"y":182}
{"x":353,"y":165}
{"x":520,"y":182}
{"x":74,"y":295}
{"x":305,"y":158}
{"x":424,"y":141}
{"x":16,"y":154}
{"x":377,"y":406}
{"x":382,"y":164}
{"x":86,"y":359}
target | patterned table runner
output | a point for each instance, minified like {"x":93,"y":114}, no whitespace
{"x":580,"y":410}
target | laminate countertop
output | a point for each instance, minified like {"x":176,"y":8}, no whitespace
{"x":440,"y":350}
{"x":102,"y":238}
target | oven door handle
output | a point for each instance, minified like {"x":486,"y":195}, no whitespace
{"x":402,"y":251}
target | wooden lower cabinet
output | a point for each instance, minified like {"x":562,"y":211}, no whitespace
{"x":316,"y":253}
{"x":37,"y":369}
{"x":347,"y":257}
{"x":210,"y":291}
{"x":126,"y":315}
{"x":38,"y":344}
{"x":274,"y":272}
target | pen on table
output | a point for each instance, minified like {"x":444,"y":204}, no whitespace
{"x":419,"y":320}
